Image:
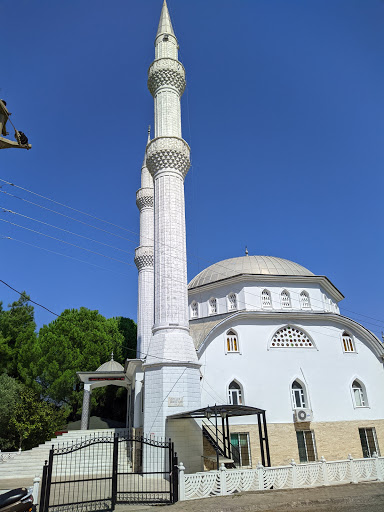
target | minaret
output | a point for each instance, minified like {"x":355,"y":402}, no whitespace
{"x":144,"y":261}
{"x":172,"y":376}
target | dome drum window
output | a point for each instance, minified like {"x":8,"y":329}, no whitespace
{"x":232,"y":302}
{"x":266,"y":301}
{"x":212,"y":306}
{"x":231,"y":340}
{"x":304,"y":300}
{"x":194,"y":309}
{"x":285,"y":299}
{"x":348,"y":345}
{"x":291,"y":337}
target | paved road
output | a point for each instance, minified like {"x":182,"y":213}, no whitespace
{"x":367,"y":497}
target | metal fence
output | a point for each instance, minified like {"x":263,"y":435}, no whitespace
{"x":99,"y":472}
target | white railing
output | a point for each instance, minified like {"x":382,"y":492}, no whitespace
{"x":228,"y":481}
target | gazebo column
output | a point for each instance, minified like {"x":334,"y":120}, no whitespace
{"x":86,"y":407}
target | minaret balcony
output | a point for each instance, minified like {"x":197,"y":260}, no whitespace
{"x":168,"y":153}
{"x":166,"y":71}
{"x":144,"y":198}
{"x":144,"y":257}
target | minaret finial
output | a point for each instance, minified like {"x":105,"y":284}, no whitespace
{"x":112,"y":355}
{"x":246,"y":250}
{"x":165,"y":24}
{"x":149,"y":134}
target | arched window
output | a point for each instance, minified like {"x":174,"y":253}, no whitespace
{"x":285,"y":299}
{"x":194,"y":309}
{"x":291,"y":337}
{"x":235,"y":394}
{"x":232,"y":343}
{"x":232,"y":302}
{"x":348,"y":345}
{"x":266,"y":299}
{"x":298,"y":396}
{"x":304,"y":300}
{"x":212,"y":306}
{"x":359,"y":394}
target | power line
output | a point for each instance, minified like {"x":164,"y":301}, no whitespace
{"x":29,"y":300}
{"x":68,"y":243}
{"x":5,"y":210}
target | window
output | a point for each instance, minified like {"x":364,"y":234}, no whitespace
{"x":194,"y":309}
{"x":359,"y":394}
{"x":232,"y":343}
{"x":298,"y":396}
{"x":266,"y":299}
{"x":369,"y":442}
{"x":240,"y":449}
{"x":235,"y":394}
{"x":285,"y":299}
{"x":307,"y":446}
{"x":348,"y":345}
{"x":292,"y":337}
{"x":232,"y":302}
{"x":212,"y":306}
{"x":304,"y":300}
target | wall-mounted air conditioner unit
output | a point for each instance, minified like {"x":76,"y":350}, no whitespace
{"x":303,"y":415}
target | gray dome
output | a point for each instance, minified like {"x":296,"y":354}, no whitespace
{"x":110,"y":366}
{"x":254,"y":265}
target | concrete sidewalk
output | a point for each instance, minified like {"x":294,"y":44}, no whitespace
{"x":367,"y":497}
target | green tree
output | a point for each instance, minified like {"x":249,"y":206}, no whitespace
{"x":17,"y":328}
{"x":128,"y":329}
{"x":9,"y":396}
{"x":34,"y":421}
{"x":78,"y":340}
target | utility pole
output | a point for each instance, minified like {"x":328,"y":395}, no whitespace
{"x":21,"y":139}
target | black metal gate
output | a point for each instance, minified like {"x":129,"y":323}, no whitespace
{"x":102,"y":470}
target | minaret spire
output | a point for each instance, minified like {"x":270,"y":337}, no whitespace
{"x":165,"y":24}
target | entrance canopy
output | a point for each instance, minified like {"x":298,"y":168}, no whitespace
{"x":225,"y":411}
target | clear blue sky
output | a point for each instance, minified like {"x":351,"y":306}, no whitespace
{"x":284,"y":112}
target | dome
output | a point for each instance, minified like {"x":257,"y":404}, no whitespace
{"x":110,"y":366}
{"x":254,"y":265}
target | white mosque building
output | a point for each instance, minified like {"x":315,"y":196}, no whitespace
{"x":259,"y":336}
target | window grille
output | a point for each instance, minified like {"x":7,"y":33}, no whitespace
{"x":307,"y":446}
{"x":235,"y":394}
{"x":369,"y":442}
{"x":212,"y":306}
{"x":304,"y":299}
{"x":232,"y":302}
{"x":194,"y":309}
{"x":291,"y":337}
{"x":241,"y":453}
{"x":359,"y":395}
{"x":285,"y":299}
{"x":266,"y":299}
{"x":348,"y":344}
{"x":232,"y":341}
{"x":298,"y":396}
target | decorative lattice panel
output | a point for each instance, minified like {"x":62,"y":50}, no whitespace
{"x":291,"y":337}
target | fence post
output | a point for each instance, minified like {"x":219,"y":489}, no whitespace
{"x":352,"y":469}
{"x":35,"y":492}
{"x":379,"y":472}
{"x":223,"y":480}
{"x":294,"y":473}
{"x":175,"y":478}
{"x":181,"y":482}
{"x":323,"y":463}
{"x":260,"y":475}
{"x":114,"y":470}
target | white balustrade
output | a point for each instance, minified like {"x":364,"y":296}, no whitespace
{"x":313,"y":474}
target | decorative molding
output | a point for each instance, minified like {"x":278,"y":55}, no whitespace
{"x":166,"y":71}
{"x":168,"y":153}
{"x":143,"y":257}
{"x":144,"y":198}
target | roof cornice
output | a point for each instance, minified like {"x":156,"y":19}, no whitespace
{"x":322,"y":280}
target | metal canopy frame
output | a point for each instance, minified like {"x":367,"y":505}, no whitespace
{"x":225,"y":412}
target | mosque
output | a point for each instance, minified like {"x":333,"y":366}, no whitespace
{"x":255,"y":344}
